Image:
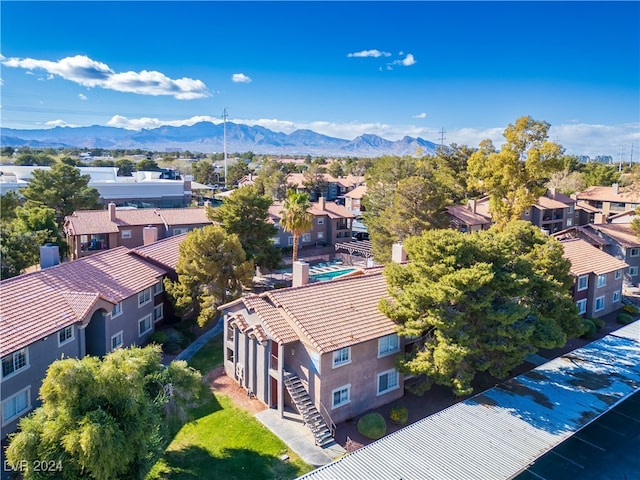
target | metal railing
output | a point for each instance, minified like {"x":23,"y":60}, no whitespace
{"x":327,"y":419}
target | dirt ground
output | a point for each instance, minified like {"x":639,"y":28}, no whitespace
{"x":222,"y":384}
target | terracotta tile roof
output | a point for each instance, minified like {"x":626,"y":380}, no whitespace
{"x":277,"y":326}
{"x":331,"y":210}
{"x":165,"y":252}
{"x":297,"y":180}
{"x":357,"y":192}
{"x":336,"y":314}
{"x":37,"y":304}
{"x":583,"y":232}
{"x":466,"y":216}
{"x":546,"y":202}
{"x":622,"y":217}
{"x":586,"y":207}
{"x":585,"y":258}
{"x":619,"y":232}
{"x":608,"y":194}
{"x":87,"y":222}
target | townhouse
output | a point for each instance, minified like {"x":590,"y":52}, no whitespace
{"x":598,"y":276}
{"x":90,"y":231}
{"x":334,"y":187}
{"x":470,"y":218}
{"x":88,"y":307}
{"x":353,"y":200}
{"x":610,"y":200}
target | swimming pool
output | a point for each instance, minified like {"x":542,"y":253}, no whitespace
{"x":326,"y":276}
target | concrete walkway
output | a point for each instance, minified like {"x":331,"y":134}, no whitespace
{"x":292,"y":431}
{"x":199,"y":342}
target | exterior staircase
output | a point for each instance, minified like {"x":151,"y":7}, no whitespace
{"x":322,"y":433}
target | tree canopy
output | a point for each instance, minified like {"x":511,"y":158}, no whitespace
{"x":212,"y":268}
{"x":514,"y":177}
{"x":480,"y":302}
{"x":245,"y":213}
{"x":102,"y":419}
{"x":296,"y":217}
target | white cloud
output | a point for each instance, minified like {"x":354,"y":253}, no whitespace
{"x":408,"y":60}
{"x":59,"y":123}
{"x":82,"y":97}
{"x":420,"y":115}
{"x":90,"y":73}
{"x":369,"y":53}
{"x":240,"y":78}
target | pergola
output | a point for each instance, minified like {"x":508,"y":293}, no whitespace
{"x":361,"y":247}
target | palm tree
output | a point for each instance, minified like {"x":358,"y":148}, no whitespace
{"x":296,"y":217}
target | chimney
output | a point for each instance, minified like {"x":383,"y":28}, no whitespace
{"x":321,"y":203}
{"x":614,"y":188}
{"x":149,"y":235}
{"x":472,"y":205}
{"x":49,"y":256}
{"x":599,"y":218}
{"x":300,"y":273}
{"x":551,"y":193}
{"x":112,"y":211}
{"x":398,"y":254}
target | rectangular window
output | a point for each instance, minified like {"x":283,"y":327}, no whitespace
{"x":65,"y":335}
{"x":342,"y":357}
{"x":599,"y":304}
{"x":569,"y":222}
{"x":387,"y":381}
{"x":117,"y":310}
{"x":126,"y":233}
{"x":14,"y":362}
{"x":306,"y":237}
{"x":158,"y":313}
{"x":633,"y":271}
{"x":602,"y":280}
{"x":116,"y":340}
{"x":582,"y":306}
{"x":144,"y":325}
{"x":583,"y":282}
{"x":618,"y":274}
{"x":16,"y":405}
{"x":341,"y":396}
{"x":157,"y":288}
{"x":320,"y":235}
{"x":616,"y":296}
{"x":635,"y":252}
{"x":388,"y":345}
{"x":276,"y":240}
{"x":180,"y":231}
{"x":290,"y":241}
{"x":320,"y":220}
{"x":144,"y":297}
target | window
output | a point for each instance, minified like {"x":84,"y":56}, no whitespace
{"x":569,"y":222}
{"x":582,"y":306}
{"x":618,"y":275}
{"x":116,"y":340}
{"x":341,"y":396}
{"x":599,"y":304}
{"x":320,"y":235}
{"x":144,"y":297}
{"x":276,"y":240}
{"x":583,"y":282}
{"x":65,"y":335}
{"x":616,"y":296}
{"x":633,"y":271}
{"x":602,"y":280}
{"x":290,"y":241}
{"x":570,"y":208}
{"x":144,"y":325}
{"x":117,"y":310}
{"x":320,"y":220}
{"x":14,"y":362}
{"x":387,"y":381}
{"x":16,"y":405}
{"x":158,"y":313}
{"x":635,"y":252}
{"x":306,"y":237}
{"x":342,"y":357}
{"x":126,"y":233}
{"x":388,"y":345}
{"x":157,"y":288}
{"x":229,"y":355}
{"x":179,"y":231}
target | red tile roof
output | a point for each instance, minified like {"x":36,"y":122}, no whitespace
{"x":38,"y":304}
{"x":277,"y":326}
{"x":619,"y":232}
{"x":164,"y":252}
{"x":609,"y":194}
{"x":357,"y":192}
{"x":466,"y":216}
{"x":585,"y":258}
{"x":331,"y":210}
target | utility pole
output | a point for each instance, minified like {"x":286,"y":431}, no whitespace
{"x":224,"y":146}
{"x":621,"y":155}
{"x":631,"y":157}
{"x":442,"y":132}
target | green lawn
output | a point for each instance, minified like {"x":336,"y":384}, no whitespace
{"x":224,"y":441}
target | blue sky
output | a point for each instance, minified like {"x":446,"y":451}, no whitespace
{"x":339,"y":68}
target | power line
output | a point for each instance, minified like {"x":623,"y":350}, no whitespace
{"x":442,"y":137}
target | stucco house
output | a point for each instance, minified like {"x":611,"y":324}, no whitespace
{"x":87,"y":307}
{"x":90,"y":231}
{"x":324,"y":349}
{"x":472,"y":217}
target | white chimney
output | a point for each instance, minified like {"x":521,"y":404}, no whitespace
{"x":321,"y":203}
{"x":472,"y":206}
{"x":398,"y":254}
{"x":112,"y":211}
{"x":300,"y":273}
{"x":149,"y":235}
{"x":614,"y":188}
{"x":49,"y":256}
{"x":599,"y":218}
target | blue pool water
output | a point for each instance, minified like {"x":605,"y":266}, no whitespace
{"x":326,"y":276}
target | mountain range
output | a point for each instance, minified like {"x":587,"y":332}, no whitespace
{"x":207,"y":137}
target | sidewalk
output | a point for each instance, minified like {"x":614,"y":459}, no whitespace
{"x":199,"y":342}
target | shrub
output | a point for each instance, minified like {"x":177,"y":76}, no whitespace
{"x":598,"y":322}
{"x":372,"y":425}
{"x":399,"y":415}
{"x":588,"y":327}
{"x":632,"y":309}
{"x":174,"y":336}
{"x":158,"y":337}
{"x":624,"y":318}
{"x":171,"y":348}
